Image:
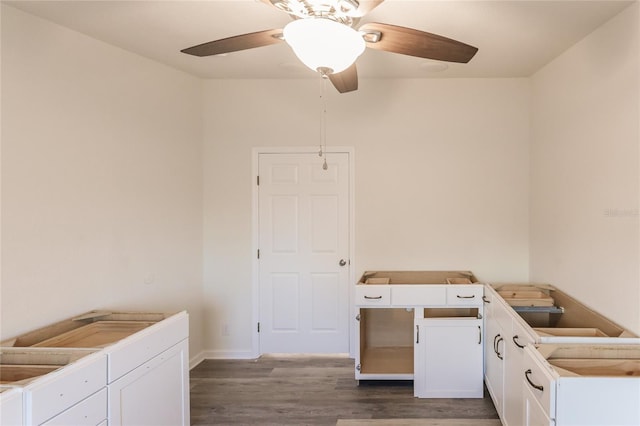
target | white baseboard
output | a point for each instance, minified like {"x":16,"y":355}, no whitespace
{"x":222,"y":354}
{"x":219,"y":354}
{"x":194,"y":361}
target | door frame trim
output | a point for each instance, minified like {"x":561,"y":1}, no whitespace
{"x":255,"y":281}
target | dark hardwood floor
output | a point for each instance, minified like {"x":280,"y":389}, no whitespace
{"x":311,"y":391}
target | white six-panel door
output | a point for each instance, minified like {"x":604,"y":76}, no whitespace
{"x":303,"y":266}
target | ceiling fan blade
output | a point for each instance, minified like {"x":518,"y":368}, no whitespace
{"x":345,"y":81}
{"x":235,"y":43}
{"x":408,"y":41}
{"x":365,"y":7}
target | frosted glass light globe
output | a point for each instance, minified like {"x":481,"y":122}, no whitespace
{"x":321,"y":43}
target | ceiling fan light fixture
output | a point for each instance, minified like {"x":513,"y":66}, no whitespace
{"x":321,"y":43}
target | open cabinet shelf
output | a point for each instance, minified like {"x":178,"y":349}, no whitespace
{"x":386,"y":341}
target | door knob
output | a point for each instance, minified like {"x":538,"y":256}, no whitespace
{"x":342,"y":262}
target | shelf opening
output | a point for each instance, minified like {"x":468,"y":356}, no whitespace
{"x":451,"y":313}
{"x":386,"y":341}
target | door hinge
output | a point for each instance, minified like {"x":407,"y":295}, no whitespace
{"x":258,"y":253}
{"x":258,"y":180}
{"x":258,"y":327}
{"x":358,"y":317}
{"x":358,"y":367}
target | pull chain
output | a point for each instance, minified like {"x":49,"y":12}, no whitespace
{"x":323,"y":124}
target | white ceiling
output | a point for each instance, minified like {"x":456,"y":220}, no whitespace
{"x":515,"y":37}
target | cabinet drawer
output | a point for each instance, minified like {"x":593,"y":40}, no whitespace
{"x":539,"y":381}
{"x":89,"y":412}
{"x":373,"y":295}
{"x":138,"y":348}
{"x":66,"y":387}
{"x":418,"y":295}
{"x":465,"y":295}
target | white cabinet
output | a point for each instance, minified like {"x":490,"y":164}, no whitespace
{"x":515,"y":342}
{"x":504,"y":346}
{"x":518,"y":316}
{"x":155,"y":393}
{"x":448,"y":358}
{"x":148,"y":375}
{"x":582,"y":384}
{"x":417,"y":327}
{"x":133,"y":370}
{"x":495,"y":350}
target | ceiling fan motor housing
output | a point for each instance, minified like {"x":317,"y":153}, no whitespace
{"x":341,"y":11}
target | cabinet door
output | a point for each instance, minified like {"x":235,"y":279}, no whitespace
{"x":154,"y":394}
{"x":534,"y":414}
{"x":448,"y":358}
{"x":515,"y":341}
{"x":494,"y":354}
{"x":11,"y":407}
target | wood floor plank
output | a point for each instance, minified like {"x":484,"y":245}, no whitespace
{"x":314,"y":391}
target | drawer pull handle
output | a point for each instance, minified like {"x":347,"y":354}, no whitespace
{"x":533,"y":385}
{"x":485,"y":300}
{"x":417,"y":334}
{"x":516,"y":342}
{"x":494,"y":343}
{"x":466,"y":297}
{"x":373,"y":297}
{"x":498,"y":347}
{"x":479,"y":335}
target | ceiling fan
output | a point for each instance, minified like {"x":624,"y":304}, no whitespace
{"x":323,"y":37}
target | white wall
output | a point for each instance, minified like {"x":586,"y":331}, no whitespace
{"x":585,"y":171}
{"x":101,"y":180}
{"x":441,"y":166}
